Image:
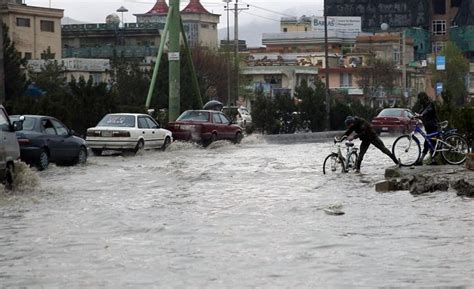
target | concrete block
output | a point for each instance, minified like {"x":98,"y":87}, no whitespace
{"x":470,"y":162}
{"x":392,"y":172}
{"x":385,"y":186}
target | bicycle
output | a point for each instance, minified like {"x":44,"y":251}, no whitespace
{"x":336,"y":159}
{"x":452,"y":146}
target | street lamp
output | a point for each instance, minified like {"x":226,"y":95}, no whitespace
{"x":227,"y":51}
{"x":121,"y":10}
{"x":326,"y":57}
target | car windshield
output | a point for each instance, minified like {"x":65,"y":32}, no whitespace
{"x":117,"y":120}
{"x":390,"y":112}
{"x":193,"y":115}
{"x":28,"y":123}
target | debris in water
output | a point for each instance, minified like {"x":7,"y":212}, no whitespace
{"x":335,"y":210}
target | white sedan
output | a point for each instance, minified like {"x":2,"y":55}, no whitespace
{"x":127,"y":132}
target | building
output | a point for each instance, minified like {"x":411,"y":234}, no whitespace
{"x":33,"y":29}
{"x":200,"y":24}
{"x":97,"y":69}
{"x":294,"y":24}
{"x":109,"y":40}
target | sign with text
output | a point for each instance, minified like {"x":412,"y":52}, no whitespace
{"x":440,"y":62}
{"x":173,"y":56}
{"x":339,"y":23}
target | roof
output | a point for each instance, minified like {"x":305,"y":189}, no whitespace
{"x":195,"y":6}
{"x":160,"y":8}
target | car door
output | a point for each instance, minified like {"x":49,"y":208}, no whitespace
{"x":67,"y":147}
{"x":157,"y":134}
{"x":4,"y":132}
{"x":146,"y":132}
{"x":217,"y":121}
{"x":51,"y":139}
{"x":227,"y":126}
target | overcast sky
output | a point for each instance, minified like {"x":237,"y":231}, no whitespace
{"x":262,"y":14}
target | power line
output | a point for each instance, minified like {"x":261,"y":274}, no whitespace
{"x":261,"y":16}
{"x":268,"y":10}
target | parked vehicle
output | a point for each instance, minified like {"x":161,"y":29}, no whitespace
{"x":44,"y":140}
{"x":240,"y":115}
{"x":394,"y":120}
{"x":205,"y":126}
{"x":9,"y":148}
{"x":127,"y":132}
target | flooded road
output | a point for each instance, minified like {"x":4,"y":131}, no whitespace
{"x":246,"y":216}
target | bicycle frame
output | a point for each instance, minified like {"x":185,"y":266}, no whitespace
{"x":349,"y":150}
{"x":436,"y":136}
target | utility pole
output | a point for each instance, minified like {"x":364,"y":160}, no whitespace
{"x":236,"y":46}
{"x":326,"y":70}
{"x":402,"y":64}
{"x":227,"y":50}
{"x":174,"y":62}
{"x":2,"y":69}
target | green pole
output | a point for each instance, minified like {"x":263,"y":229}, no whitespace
{"x":174,"y":62}
{"x":193,"y":70}
{"x":158,"y":59}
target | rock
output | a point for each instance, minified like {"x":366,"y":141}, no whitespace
{"x":334,"y":212}
{"x":392,"y":172}
{"x":420,"y":184}
{"x":470,"y":161}
{"x":464,"y":188}
{"x":385,"y":186}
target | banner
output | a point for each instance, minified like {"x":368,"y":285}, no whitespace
{"x":337,"y":23}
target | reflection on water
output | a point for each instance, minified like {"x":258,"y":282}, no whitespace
{"x":229,"y":216}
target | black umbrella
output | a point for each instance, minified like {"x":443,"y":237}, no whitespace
{"x":213,"y":105}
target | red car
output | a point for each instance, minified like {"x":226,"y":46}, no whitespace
{"x":205,"y":126}
{"x":394,"y":120}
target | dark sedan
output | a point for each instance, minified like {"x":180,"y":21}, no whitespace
{"x":45,"y":139}
{"x":205,"y":126}
{"x":394,"y":120}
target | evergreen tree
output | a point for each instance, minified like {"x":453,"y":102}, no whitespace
{"x":15,"y":79}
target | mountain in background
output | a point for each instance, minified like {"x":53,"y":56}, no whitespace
{"x":249,"y":33}
{"x":68,"y":20}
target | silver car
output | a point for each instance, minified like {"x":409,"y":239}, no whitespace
{"x":9,"y":148}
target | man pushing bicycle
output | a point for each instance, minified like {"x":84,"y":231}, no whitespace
{"x":365,"y":132}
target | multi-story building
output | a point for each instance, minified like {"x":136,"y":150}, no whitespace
{"x":200,"y":24}
{"x":34,"y":30}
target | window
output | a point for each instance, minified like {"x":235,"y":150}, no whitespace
{"x":142,"y":123}
{"x":346,"y":80}
{"x":437,"y":47}
{"x":285,"y":29}
{"x":439,"y":7}
{"x":23,"y":22}
{"x":216,"y":118}
{"x":439,"y":27}
{"x":396,"y":55}
{"x":47,"y":26}
{"x":4,"y":123}
{"x":306,"y":29}
{"x":60,"y":128}
{"x":28,"y":55}
{"x":456,"y":3}
{"x":152,"y":123}
{"x":205,"y":26}
{"x":224,"y":119}
{"x":47,"y":127}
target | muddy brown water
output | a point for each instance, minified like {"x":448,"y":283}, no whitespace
{"x":246,"y":216}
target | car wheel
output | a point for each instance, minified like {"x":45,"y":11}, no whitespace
{"x":96,"y":152}
{"x":139,"y":147}
{"x":82,"y":156}
{"x":212,"y":139}
{"x":238,"y":137}
{"x":43,"y":160}
{"x":166,"y":143}
{"x":9,"y":176}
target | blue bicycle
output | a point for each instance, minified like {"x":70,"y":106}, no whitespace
{"x":452,"y":146}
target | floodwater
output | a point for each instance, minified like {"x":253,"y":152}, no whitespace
{"x":245,"y":216}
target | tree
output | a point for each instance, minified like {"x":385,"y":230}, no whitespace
{"x":312,"y":107}
{"x":457,"y":67}
{"x":15,"y":79}
{"x":378,"y":74}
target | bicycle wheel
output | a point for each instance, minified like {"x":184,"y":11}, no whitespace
{"x":406,"y":148}
{"x":351,"y":162}
{"x":454,"y":150}
{"x":333,"y":164}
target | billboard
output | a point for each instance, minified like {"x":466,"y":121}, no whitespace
{"x":338,"y":23}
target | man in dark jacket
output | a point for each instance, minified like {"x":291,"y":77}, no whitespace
{"x":430,"y":121}
{"x":367,"y":135}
